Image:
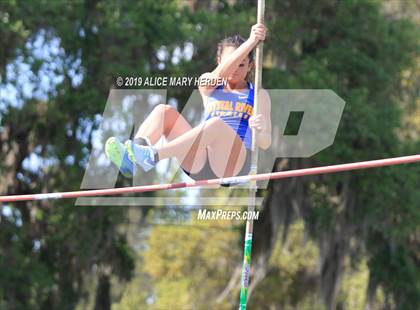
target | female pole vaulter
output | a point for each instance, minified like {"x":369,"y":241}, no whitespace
{"x":221,"y":145}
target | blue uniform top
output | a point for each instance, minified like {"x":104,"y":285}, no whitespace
{"x":234,"y":109}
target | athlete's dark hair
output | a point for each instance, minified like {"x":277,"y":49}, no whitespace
{"x":235,"y":41}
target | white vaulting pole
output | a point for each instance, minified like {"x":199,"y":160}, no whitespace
{"x":246,"y":267}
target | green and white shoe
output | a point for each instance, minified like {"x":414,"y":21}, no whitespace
{"x":117,"y":154}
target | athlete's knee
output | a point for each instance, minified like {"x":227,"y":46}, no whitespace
{"x":214,"y":122}
{"x":167,"y":113}
{"x":163,"y":108}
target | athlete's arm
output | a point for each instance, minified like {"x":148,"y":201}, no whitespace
{"x":262,"y":121}
{"x":231,"y":62}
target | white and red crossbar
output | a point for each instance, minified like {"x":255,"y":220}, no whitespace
{"x":239,"y":179}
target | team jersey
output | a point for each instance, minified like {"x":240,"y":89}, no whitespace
{"x":234,"y":109}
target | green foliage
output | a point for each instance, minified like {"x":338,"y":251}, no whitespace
{"x":292,"y":269}
{"x":184,"y":267}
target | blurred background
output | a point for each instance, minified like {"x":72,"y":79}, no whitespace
{"x":344,"y":241}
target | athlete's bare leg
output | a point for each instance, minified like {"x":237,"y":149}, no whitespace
{"x":191,"y":146}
